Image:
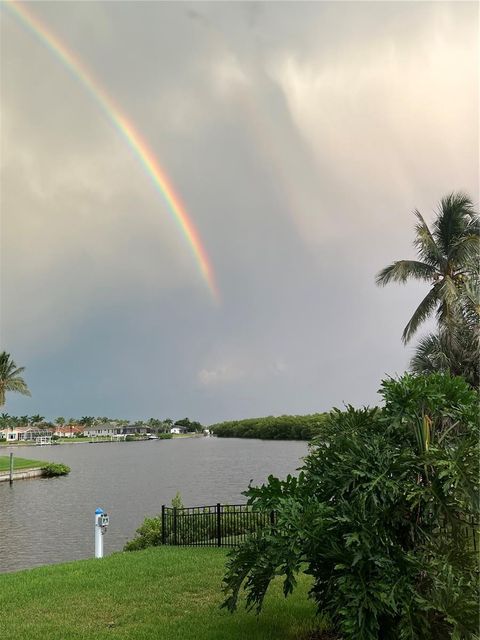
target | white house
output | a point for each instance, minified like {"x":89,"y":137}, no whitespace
{"x":67,"y":432}
{"x":178,"y":429}
{"x":23,"y":433}
{"x":105,"y":429}
{"x":13,"y":435}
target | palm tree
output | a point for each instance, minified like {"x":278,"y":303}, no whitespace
{"x":10,"y":379}
{"x":460,"y":355}
{"x":448,"y":259}
{"x":435,"y":353}
{"x":86,"y":421}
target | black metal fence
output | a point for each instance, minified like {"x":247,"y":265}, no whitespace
{"x":222,"y":525}
{"x":212,"y":526}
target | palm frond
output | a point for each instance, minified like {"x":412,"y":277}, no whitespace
{"x":454,"y":217}
{"x":424,"y":309}
{"x":425,"y":244}
{"x":466,"y":250}
{"x":449,"y":312}
{"x":404,"y":270}
{"x":10,"y":379}
{"x":18,"y":386}
{"x":449,"y":291}
{"x":471,"y":302}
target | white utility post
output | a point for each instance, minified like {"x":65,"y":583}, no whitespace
{"x":101,"y":524}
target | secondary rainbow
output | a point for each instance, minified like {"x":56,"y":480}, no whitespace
{"x":128,"y":131}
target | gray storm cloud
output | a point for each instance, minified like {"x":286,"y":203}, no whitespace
{"x":300,"y":138}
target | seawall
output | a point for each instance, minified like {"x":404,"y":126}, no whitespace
{"x":22,"y":474}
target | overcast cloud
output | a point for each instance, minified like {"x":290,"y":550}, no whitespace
{"x":300,"y":136}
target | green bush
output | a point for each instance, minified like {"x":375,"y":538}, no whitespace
{"x":149,"y":534}
{"x":165,"y":436}
{"x":53,"y":469}
{"x":380,"y":516}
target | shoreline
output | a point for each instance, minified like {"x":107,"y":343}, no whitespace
{"x":22,"y":474}
{"x":29,"y":443}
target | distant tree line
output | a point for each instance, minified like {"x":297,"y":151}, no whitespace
{"x":272,"y":428}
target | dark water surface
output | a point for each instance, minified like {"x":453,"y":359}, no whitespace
{"x":51,"y":520}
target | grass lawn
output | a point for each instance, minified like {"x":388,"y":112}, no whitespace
{"x":186,"y":435}
{"x":16,"y":443}
{"x":80,"y":440}
{"x":19,"y":463}
{"x":162,"y":593}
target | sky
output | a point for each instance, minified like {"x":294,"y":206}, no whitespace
{"x":299,"y":137}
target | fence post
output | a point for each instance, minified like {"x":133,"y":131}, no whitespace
{"x":163,"y":525}
{"x":175,"y":541}
{"x":219,"y":532}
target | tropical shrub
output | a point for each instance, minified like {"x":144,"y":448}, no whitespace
{"x":149,"y":534}
{"x":380,"y":516}
{"x":53,"y":469}
{"x":165,"y":436}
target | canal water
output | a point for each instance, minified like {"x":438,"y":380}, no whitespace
{"x":44,"y":521}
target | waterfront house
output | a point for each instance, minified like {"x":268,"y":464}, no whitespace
{"x":102,"y":430}
{"x":178,"y":429}
{"x":13,"y":435}
{"x":20,"y":434}
{"x":136,"y":429}
{"x":70,"y":431}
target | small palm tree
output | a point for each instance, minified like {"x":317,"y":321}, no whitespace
{"x":10,"y":379}
{"x":448,"y":257}
{"x":4,"y":418}
{"x":458,"y":354}
{"x":460,"y":358}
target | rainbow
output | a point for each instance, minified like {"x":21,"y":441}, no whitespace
{"x":129,"y":132}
